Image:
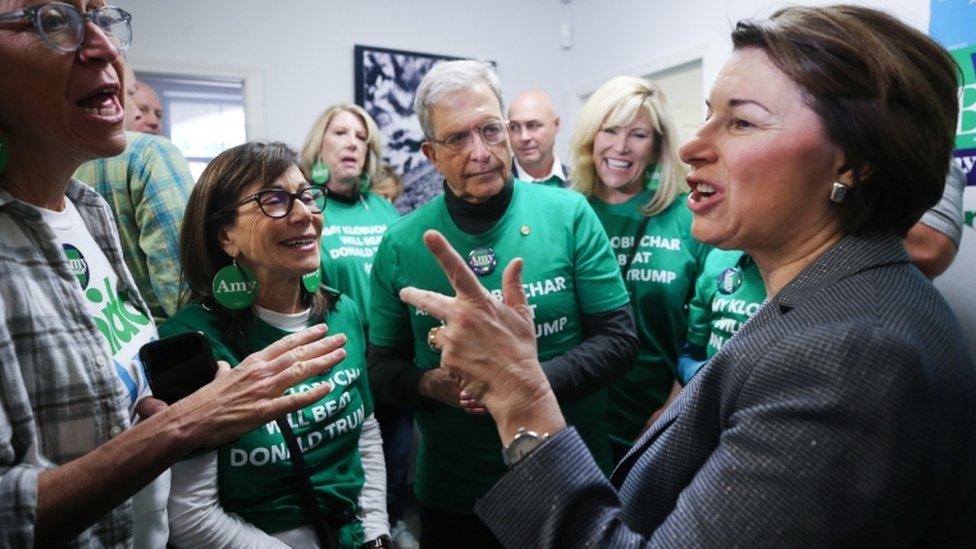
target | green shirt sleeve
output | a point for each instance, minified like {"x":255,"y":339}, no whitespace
{"x":389,"y":323}
{"x":600,"y":286}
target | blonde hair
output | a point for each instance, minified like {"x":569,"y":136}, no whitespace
{"x":313,"y":142}
{"x":617,"y":103}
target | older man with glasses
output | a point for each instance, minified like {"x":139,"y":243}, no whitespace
{"x":584,"y":330}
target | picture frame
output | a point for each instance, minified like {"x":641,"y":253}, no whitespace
{"x":386,"y":83}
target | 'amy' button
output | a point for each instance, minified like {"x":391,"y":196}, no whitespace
{"x":482,"y":260}
{"x":526,"y":230}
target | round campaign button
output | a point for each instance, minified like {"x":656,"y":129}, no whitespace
{"x":235,"y":287}
{"x":482,"y":260}
{"x":78,"y":264}
{"x":729,"y":281}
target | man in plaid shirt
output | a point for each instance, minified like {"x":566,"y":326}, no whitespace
{"x":147,"y":188}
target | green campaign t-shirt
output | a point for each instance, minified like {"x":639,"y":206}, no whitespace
{"x":254,"y":473}
{"x":660,"y":280}
{"x":569,"y":271}
{"x":350,"y":235}
{"x":728,"y":293}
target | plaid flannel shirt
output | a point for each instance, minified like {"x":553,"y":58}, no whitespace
{"x":147,"y":188}
{"x":59,"y":393}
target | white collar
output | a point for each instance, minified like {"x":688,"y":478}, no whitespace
{"x":557,"y":170}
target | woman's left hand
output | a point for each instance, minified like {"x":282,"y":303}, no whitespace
{"x":490,"y":344}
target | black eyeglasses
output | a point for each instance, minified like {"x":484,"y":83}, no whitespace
{"x":491,"y":133}
{"x":277,"y":203}
{"x":62,"y":26}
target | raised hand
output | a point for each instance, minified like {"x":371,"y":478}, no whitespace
{"x":489,"y":344}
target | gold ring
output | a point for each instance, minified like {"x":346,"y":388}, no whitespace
{"x":432,"y":338}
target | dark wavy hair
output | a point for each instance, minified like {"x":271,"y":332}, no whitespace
{"x":211,"y":208}
{"x":885,"y":94}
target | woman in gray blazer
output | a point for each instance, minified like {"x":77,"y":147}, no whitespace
{"x":843,"y":412}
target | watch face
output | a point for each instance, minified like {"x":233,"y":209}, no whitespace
{"x":522,"y":445}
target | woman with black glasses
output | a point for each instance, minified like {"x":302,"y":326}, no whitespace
{"x":250,"y":254}
{"x":80,"y":434}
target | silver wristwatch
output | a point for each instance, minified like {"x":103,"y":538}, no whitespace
{"x":523,"y":444}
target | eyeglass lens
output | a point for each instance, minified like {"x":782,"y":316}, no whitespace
{"x":63,"y":26}
{"x":492,"y":133}
{"x":278,"y":203}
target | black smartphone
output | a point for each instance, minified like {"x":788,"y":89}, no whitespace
{"x":177,"y":366}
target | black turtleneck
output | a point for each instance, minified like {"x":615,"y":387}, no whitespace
{"x":478,"y":218}
{"x":345,"y":198}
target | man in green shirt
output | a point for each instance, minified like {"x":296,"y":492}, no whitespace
{"x":584,"y":329}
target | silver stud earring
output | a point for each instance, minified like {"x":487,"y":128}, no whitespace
{"x":838,"y":192}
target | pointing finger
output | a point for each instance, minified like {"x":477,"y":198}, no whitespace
{"x":465,"y":283}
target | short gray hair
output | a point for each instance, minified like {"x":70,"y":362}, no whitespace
{"x":449,"y":77}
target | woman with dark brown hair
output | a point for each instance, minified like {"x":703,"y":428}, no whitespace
{"x":250,"y":253}
{"x":842,"y":413}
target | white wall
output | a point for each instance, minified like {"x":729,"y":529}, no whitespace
{"x":304,"y":48}
{"x":640,"y":36}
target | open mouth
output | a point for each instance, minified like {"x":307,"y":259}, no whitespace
{"x":615,"y":164}
{"x":702,"y":191}
{"x":103,"y":102}
{"x":703,"y":196}
{"x":303,"y":243}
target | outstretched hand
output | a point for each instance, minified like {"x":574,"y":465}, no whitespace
{"x":489,"y":345}
{"x":252,"y":394}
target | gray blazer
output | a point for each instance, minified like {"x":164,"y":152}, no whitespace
{"x":842,"y":414}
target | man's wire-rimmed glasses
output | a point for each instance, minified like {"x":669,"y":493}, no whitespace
{"x":491,"y":133}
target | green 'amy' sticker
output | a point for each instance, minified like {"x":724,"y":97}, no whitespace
{"x":235,"y":287}
{"x":320,"y":173}
{"x":312,"y":280}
